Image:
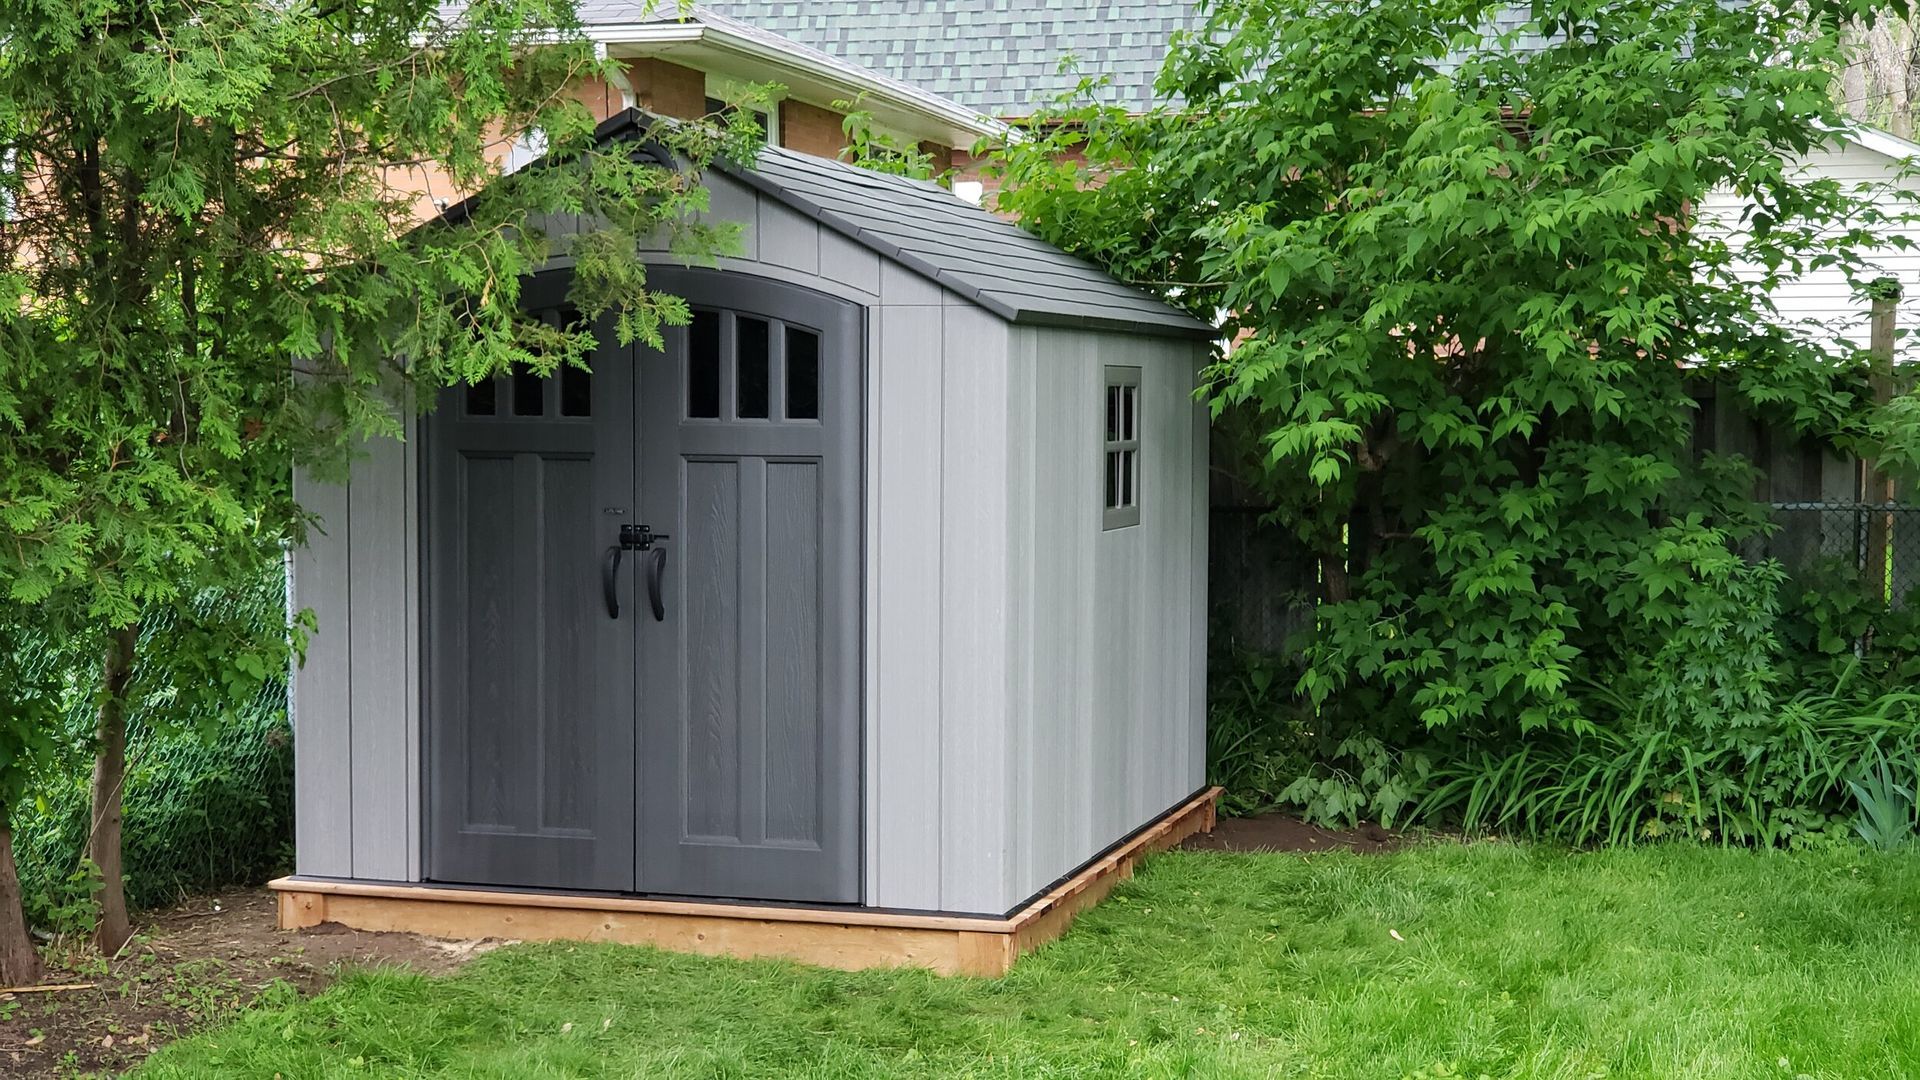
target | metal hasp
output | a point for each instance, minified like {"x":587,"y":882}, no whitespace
{"x":636,"y":538}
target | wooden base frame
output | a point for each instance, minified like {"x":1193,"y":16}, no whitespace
{"x":835,"y":938}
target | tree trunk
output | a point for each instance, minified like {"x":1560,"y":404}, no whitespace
{"x":113,"y":928}
{"x":19,"y":960}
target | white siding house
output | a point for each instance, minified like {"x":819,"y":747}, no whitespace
{"x":1866,"y":161}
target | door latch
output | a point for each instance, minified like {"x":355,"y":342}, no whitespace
{"x":640,"y":537}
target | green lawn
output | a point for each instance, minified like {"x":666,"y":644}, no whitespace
{"x":1440,"y":961}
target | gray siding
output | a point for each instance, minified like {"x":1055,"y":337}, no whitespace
{"x":356,"y":700}
{"x":1109,"y":633}
{"x":1032,"y":684}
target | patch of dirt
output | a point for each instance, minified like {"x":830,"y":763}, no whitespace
{"x":1281,"y":832}
{"x":190,"y":966}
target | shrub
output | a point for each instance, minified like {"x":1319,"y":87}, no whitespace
{"x":208,"y":801}
{"x":1257,"y":737}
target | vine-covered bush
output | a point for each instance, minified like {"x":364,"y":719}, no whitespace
{"x":1468,"y":282}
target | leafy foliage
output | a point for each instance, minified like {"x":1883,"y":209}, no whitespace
{"x":1468,"y":286}
{"x":209,"y":792}
{"x":216,"y":265}
{"x":881,"y":151}
{"x":1886,"y":808}
{"x":1788,"y":781}
{"x":1257,"y":737}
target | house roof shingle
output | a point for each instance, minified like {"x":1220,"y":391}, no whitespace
{"x":1002,"y":57}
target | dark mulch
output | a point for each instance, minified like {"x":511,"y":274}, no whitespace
{"x":191,"y":966}
{"x":1280,"y":832}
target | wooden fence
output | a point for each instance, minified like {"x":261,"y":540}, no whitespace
{"x":1263,"y":585}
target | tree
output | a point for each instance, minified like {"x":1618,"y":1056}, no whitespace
{"x":1879,"y":79}
{"x":213,"y":269}
{"x":1470,"y":284}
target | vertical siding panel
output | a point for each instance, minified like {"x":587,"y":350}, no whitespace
{"x":376,"y":595}
{"x":730,"y":200}
{"x":977,"y":781}
{"x":848,"y":263}
{"x":322,"y":710}
{"x":1197,"y":464}
{"x":1114,"y":642}
{"x":1077,"y":412}
{"x":1117,"y":622}
{"x":1172,"y":539}
{"x":413,"y":688}
{"x":901,"y":287}
{"x":870,"y":625}
{"x":1035,"y":737}
{"x":1058,"y":815}
{"x":787,"y":239}
{"x":903,"y":763}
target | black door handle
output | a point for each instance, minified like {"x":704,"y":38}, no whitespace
{"x":656,"y":569}
{"x":610,"y":582}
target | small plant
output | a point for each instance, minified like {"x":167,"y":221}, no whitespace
{"x":1257,"y":742}
{"x":1886,"y":818}
{"x":879,"y":151}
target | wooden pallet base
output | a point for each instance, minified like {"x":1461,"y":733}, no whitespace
{"x":836,"y":938}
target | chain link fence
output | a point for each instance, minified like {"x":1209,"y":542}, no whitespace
{"x":1879,"y":542}
{"x":203,"y":809}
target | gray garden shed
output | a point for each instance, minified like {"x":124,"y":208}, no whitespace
{"x":863,"y":625}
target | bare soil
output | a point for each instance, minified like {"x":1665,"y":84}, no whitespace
{"x":188,"y":967}
{"x":1280,"y":832}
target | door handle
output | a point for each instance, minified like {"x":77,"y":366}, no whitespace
{"x":635,"y":538}
{"x":610,"y":581}
{"x":656,"y":570}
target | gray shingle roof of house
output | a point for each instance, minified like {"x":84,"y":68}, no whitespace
{"x":1002,"y":57}
{"x":999,"y":56}
{"x":983,"y":258}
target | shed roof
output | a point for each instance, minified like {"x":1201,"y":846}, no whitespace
{"x":927,"y":229}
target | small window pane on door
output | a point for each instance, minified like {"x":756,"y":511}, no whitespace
{"x":529,"y":394}
{"x":576,"y":392}
{"x":803,"y":374}
{"x":752,"y":336}
{"x":482,"y":399}
{"x":703,"y":366}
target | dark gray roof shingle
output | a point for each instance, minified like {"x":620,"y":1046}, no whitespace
{"x":991,"y":262}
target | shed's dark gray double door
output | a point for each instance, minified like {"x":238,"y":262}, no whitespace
{"x":704,"y":740}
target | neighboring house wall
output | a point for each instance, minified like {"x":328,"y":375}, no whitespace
{"x":664,"y":89}
{"x":811,"y":129}
{"x":1822,"y":301}
{"x":661,"y":88}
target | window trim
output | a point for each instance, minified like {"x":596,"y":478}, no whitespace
{"x":728,"y":91}
{"x":1127,"y":512}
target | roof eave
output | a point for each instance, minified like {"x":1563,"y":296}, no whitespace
{"x":856,"y":82}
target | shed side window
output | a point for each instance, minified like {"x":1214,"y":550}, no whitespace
{"x":1120,"y":447}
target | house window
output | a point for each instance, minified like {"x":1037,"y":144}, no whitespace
{"x":720,"y":107}
{"x":1120,"y":445}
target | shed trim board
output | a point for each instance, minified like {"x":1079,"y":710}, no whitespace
{"x":1027,"y":687}
{"x":838,"y":937}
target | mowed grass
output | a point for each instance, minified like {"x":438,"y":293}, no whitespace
{"x":1444,"y":960}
